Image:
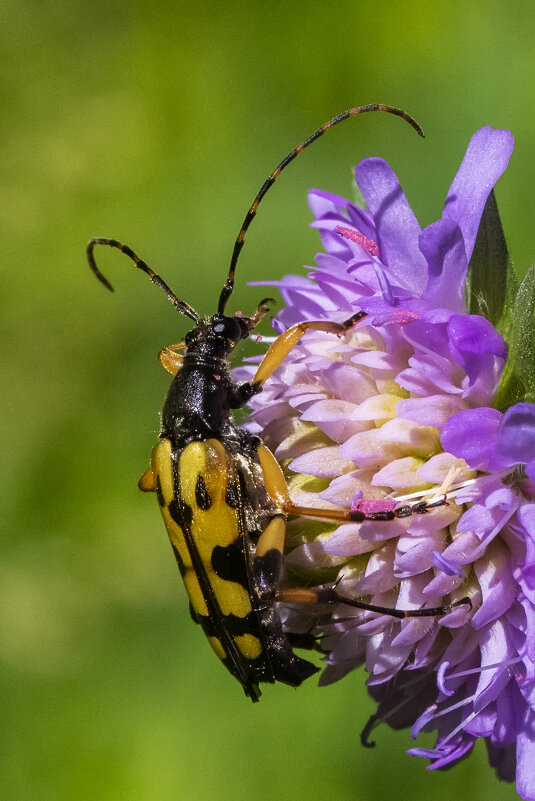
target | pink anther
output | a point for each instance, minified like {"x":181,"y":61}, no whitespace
{"x":355,"y":236}
{"x":401,"y":317}
{"x":372,"y":505}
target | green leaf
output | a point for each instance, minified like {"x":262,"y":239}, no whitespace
{"x":494,"y":293}
{"x":518,"y":378}
{"x":491,"y":283}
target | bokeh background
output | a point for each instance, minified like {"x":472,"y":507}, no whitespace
{"x":156,"y":123}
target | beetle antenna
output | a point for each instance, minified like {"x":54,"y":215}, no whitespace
{"x":226,"y":292}
{"x":180,"y":305}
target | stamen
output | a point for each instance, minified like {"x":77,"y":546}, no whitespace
{"x":448,"y":482}
{"x":487,"y":539}
{"x":453,"y":490}
{"x":441,"y":678}
{"x":432,"y":712}
{"x":384,"y":285}
{"x":458,"y":728}
{"x":426,"y":717}
{"x":441,"y":672}
{"x":422,"y":494}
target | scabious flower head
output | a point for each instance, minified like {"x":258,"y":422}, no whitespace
{"x":403,"y":408}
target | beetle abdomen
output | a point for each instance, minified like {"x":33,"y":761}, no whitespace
{"x":203,"y":496}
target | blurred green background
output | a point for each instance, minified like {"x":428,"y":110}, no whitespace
{"x":156,"y":124}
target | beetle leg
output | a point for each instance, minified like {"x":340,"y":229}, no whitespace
{"x":356,"y":516}
{"x":241,"y":393}
{"x":261,"y":312}
{"x":330,"y":595}
{"x":282,"y":346}
{"x":268,"y":557}
{"x":172,"y":357}
{"x":278,"y":489}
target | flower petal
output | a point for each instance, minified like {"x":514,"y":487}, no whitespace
{"x":484,"y":162}
{"x":434,"y":410}
{"x":323,"y":463}
{"x":516,"y":437}
{"x":525,"y":759}
{"x":399,"y":474}
{"x":367,"y":450}
{"x":471,"y":435}
{"x":397,"y":227}
{"x":495,"y":578}
{"x":416,"y":440}
{"x":443,"y":247}
{"x":333,"y":416}
{"x":348,"y":541}
{"x":437,"y":468}
{"x":378,"y":408}
{"x":477,"y":346}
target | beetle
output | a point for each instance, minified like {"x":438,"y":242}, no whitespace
{"x":222,"y":495}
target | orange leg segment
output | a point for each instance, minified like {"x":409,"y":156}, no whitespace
{"x":289,"y":339}
{"x":278,"y":489}
{"x":172,"y":357}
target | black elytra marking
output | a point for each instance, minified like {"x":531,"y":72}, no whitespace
{"x":159,"y":492}
{"x":237,"y":626}
{"x":175,"y":514}
{"x":229,"y":564}
{"x":179,"y":561}
{"x":183,"y":515}
{"x":202,"y":498}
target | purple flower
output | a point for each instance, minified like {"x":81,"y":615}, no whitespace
{"x":398,"y":410}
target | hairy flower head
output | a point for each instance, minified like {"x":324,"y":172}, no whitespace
{"x":401,"y":409}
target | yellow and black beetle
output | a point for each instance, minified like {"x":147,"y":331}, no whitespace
{"x":222,"y":494}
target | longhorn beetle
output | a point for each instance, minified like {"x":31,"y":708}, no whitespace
{"x":222,"y":494}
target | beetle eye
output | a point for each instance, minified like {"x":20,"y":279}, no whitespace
{"x":227,"y":327}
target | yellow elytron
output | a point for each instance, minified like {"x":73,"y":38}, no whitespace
{"x":222,"y":494}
